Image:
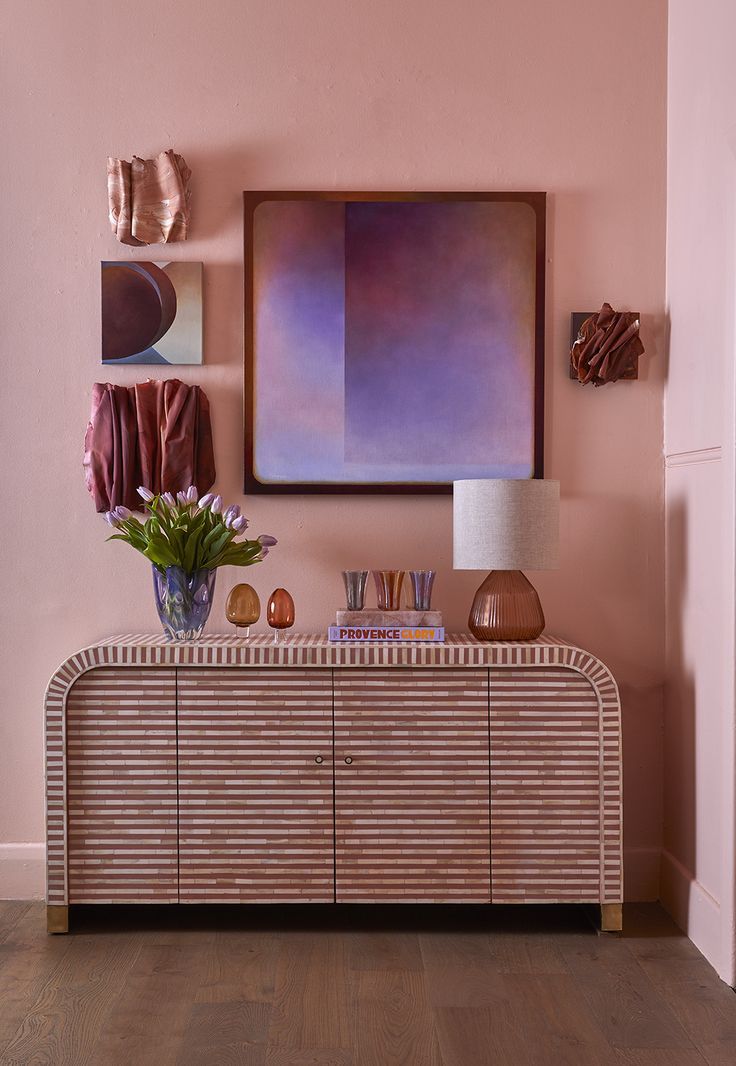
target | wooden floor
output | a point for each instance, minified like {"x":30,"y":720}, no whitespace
{"x":357,"y":987}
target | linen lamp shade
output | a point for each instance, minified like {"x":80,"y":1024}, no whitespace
{"x":506,"y":526}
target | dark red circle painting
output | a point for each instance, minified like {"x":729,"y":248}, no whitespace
{"x":138,"y":307}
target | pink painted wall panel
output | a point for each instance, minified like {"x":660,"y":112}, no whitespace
{"x":366,"y":94}
{"x":699,"y":855}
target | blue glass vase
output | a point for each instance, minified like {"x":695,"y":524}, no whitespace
{"x":183,"y":600}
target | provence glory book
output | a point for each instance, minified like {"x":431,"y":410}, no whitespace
{"x":386,"y":634}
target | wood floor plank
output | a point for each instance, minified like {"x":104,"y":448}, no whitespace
{"x":721,"y":1053}
{"x":621,"y":997}
{"x":225,"y":1032}
{"x":704,"y":1005}
{"x":384,"y":951}
{"x":11,"y":912}
{"x":227,"y":1024}
{"x":28,"y":959}
{"x":311,"y":1006}
{"x":557,"y":1025}
{"x":150,"y":1018}
{"x":658,"y":1057}
{"x":287,"y":1056}
{"x":393,"y":1023}
{"x":61,"y":1025}
{"x":527,"y":954}
{"x":240,"y":966}
{"x":650,"y":932}
{"x":460,"y":970}
{"x":210,"y":995}
{"x":543,"y":1022}
{"x":224,"y":1055}
{"x":483,"y":1036}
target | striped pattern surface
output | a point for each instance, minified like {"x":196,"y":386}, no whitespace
{"x":318,"y":651}
{"x":140,"y":658}
{"x":121,"y":787}
{"x":255,"y":808}
{"x":411,"y":804}
{"x":545,"y":787}
{"x":612,"y":854}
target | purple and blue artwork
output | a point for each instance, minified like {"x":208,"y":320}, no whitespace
{"x":151,"y":312}
{"x":394,"y":342}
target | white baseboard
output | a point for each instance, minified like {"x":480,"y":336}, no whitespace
{"x":641,"y":874}
{"x":696,"y":912}
{"x":22,"y":871}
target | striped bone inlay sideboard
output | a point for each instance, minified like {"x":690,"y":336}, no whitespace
{"x":233,"y":770}
{"x":255,"y":805}
{"x":545,"y":787}
{"x":121,"y":787}
{"x":411,"y":786}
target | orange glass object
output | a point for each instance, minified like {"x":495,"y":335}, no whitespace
{"x":280,"y":610}
{"x":243,"y":607}
{"x":506,"y":607}
{"x":388,"y":588}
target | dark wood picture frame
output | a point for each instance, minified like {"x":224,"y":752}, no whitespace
{"x":251,"y":200}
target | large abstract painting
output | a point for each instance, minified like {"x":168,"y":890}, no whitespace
{"x":151,"y":312}
{"x":394,"y":342}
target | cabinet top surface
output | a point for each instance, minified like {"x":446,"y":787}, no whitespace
{"x":313,"y":651}
{"x":307,"y":649}
{"x":318,"y":640}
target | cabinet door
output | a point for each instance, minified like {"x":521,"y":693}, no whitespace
{"x":411,"y":786}
{"x":545,"y":787}
{"x":255,"y":785}
{"x":121,"y":786}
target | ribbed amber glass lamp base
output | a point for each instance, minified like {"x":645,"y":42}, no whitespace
{"x":506,"y":607}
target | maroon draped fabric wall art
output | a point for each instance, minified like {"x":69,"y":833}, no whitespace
{"x":157,"y":434}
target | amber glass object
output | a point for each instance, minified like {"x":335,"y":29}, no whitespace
{"x":243,"y":608}
{"x":388,"y":588}
{"x":506,"y":607}
{"x":280,"y":611}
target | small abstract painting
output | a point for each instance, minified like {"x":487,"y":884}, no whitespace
{"x":151,"y":312}
{"x":394,"y":342}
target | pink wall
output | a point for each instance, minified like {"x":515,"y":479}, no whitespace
{"x":698,"y":857}
{"x":373,"y":94}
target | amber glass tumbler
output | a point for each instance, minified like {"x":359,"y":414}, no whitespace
{"x":388,"y":588}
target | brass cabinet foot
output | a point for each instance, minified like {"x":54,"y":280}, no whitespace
{"x":611,"y":917}
{"x":57,"y":919}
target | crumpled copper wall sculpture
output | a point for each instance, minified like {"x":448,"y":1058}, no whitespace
{"x":607,"y":347}
{"x":157,"y":434}
{"x":149,"y":199}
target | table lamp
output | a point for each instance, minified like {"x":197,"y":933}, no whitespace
{"x":506,"y":526}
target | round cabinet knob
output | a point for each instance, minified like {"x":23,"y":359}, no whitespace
{"x":348,"y":759}
{"x":319,"y":759}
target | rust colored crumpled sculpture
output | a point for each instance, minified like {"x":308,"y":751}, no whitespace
{"x":157,"y":434}
{"x":149,"y":199}
{"x":607,"y":347}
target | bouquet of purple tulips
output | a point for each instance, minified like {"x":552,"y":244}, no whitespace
{"x":188,"y":532}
